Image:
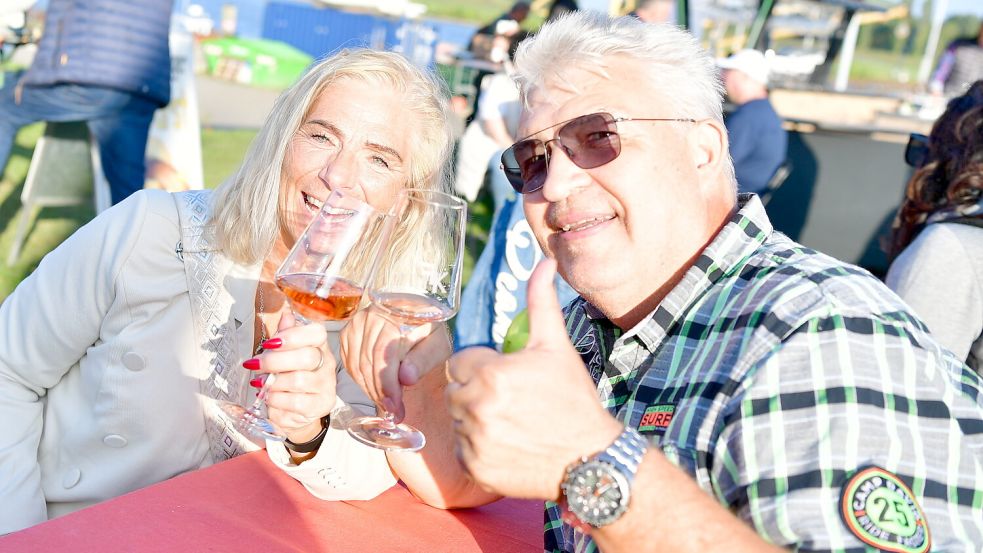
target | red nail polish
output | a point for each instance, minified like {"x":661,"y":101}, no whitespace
{"x":272,"y":343}
{"x":256,"y":382}
{"x":251,"y":364}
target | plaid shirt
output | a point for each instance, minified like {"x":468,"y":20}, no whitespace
{"x":772,"y":374}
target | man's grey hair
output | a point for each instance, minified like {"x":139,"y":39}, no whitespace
{"x":681,"y":70}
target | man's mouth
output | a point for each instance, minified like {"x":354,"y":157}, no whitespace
{"x":585,"y":223}
{"x":312,"y":203}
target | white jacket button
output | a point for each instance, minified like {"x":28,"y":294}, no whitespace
{"x":71,"y":477}
{"x":134,"y":361}
{"x":114,"y":440}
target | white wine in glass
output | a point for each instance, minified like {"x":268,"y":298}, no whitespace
{"x":426,"y":291}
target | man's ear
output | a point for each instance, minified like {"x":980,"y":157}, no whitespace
{"x":708,"y":141}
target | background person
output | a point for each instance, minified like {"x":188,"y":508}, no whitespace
{"x":116,"y":349}
{"x":654,"y":11}
{"x":758,"y":143}
{"x":506,"y":25}
{"x":961,"y":64}
{"x":560,"y":7}
{"x":937,"y":236}
{"x":491,"y":131}
{"x":734,"y":388}
{"x":105,"y":62}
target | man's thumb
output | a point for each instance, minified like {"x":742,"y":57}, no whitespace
{"x":546,"y":324}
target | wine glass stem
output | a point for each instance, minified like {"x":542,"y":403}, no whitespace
{"x":256,"y":409}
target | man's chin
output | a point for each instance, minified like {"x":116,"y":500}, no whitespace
{"x":586,"y":279}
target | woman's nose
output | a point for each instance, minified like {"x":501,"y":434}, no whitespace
{"x":339,"y":172}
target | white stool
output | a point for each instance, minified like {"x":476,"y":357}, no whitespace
{"x":65,"y":170}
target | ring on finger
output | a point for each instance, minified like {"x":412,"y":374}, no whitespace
{"x":320,"y":359}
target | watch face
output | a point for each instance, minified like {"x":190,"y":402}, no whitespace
{"x":597,"y":493}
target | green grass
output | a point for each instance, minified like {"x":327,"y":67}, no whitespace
{"x":47,"y":227}
{"x":222,"y":152}
{"x":883,"y":67}
{"x":472,"y":12}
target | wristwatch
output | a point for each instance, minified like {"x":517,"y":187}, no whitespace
{"x":314,"y":443}
{"x":597,"y":489}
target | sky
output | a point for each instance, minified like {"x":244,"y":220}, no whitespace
{"x":974,"y":7}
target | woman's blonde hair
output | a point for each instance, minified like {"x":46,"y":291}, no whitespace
{"x":246,"y":213}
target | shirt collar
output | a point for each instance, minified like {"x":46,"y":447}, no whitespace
{"x":729,"y":250}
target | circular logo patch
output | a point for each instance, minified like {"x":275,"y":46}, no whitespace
{"x":878,"y":508}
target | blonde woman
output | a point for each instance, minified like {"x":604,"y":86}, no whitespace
{"x":115,"y":351}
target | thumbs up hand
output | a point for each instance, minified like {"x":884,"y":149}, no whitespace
{"x":522,"y":418}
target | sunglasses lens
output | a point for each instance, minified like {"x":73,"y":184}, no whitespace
{"x":511,"y":168}
{"x":916,"y":153}
{"x":591,"y":141}
{"x":525,"y":164}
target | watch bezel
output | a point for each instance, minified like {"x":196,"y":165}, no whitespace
{"x":577,"y":504}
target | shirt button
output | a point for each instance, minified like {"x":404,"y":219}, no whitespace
{"x":114,"y":440}
{"x":71,"y":477}
{"x":64,"y":59}
{"x":134,"y":361}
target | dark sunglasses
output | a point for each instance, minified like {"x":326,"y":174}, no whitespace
{"x":589,"y":141}
{"x":916,"y":152}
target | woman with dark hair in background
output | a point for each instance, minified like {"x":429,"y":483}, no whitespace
{"x":560,"y":7}
{"x":937,"y":236}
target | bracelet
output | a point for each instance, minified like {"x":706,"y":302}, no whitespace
{"x":314,"y":443}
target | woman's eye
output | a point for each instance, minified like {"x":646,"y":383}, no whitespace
{"x":380,"y":161}
{"x":320,"y":137}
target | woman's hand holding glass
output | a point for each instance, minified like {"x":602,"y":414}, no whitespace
{"x":323,"y":278}
{"x":302,"y":385}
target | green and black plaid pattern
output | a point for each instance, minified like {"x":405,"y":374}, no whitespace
{"x":772,"y":374}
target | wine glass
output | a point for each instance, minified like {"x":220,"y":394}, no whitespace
{"x":426,"y":290}
{"x":323,"y":278}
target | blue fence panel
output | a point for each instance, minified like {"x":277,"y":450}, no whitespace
{"x":249,"y":15}
{"x":452,"y":32}
{"x":320,"y":31}
{"x":414,"y":39}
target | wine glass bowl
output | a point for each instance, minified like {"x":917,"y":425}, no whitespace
{"x":410,"y":295}
{"x":327,"y":271}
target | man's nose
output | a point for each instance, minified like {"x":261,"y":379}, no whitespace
{"x":563,"y":176}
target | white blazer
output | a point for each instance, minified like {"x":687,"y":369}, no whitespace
{"x":101,"y":373}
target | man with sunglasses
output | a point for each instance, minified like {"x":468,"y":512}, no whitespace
{"x":754,"y":394}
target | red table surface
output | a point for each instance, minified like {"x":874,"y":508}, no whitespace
{"x":247,"y":504}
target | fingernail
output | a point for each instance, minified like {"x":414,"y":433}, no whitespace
{"x":272,"y":343}
{"x":251,"y":364}
{"x":256,"y":382}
